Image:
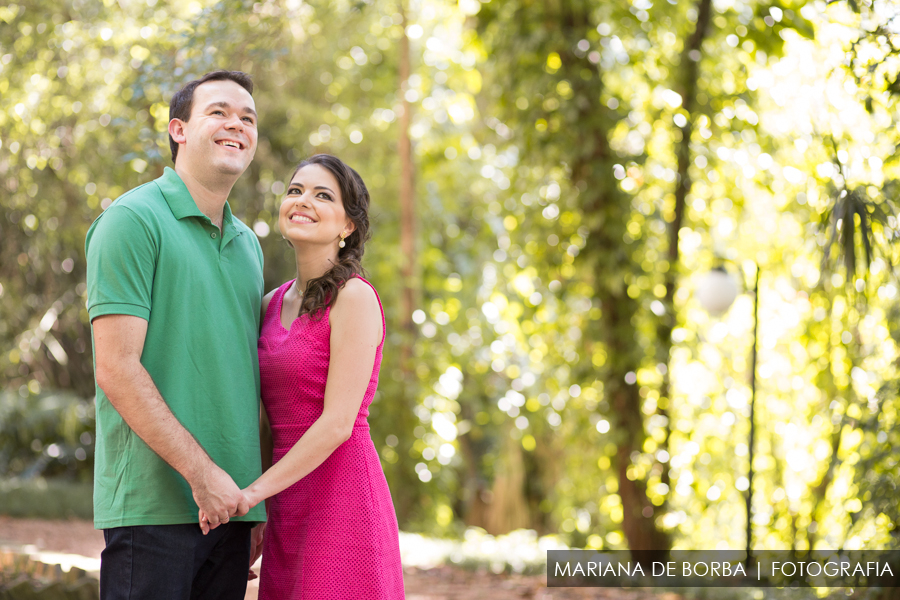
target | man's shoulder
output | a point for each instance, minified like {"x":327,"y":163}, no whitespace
{"x":144,"y":198}
{"x":137,"y":211}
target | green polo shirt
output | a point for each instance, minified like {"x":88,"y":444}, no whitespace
{"x":152,"y":254}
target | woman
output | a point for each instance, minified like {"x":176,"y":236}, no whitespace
{"x":331,"y":531}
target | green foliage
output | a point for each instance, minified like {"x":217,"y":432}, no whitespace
{"x":853,"y":220}
{"x":46,"y":499}
{"x":877,"y":471}
{"x":48,"y":434}
{"x":547,"y":139}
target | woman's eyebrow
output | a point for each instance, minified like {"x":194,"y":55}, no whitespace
{"x":318,"y":187}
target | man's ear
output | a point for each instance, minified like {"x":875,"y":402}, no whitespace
{"x":176,"y":130}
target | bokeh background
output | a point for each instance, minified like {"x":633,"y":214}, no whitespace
{"x":553,"y":182}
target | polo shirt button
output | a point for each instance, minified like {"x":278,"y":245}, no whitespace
{"x":213,"y":235}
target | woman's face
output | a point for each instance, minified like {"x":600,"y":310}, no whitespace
{"x":313,"y":211}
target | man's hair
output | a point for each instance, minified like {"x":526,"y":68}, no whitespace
{"x":183,"y":100}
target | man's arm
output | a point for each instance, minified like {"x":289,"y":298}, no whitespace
{"x":118,"y":344}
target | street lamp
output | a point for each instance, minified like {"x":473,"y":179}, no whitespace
{"x":716,"y":292}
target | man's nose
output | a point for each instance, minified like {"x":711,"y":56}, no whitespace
{"x":235,"y":122}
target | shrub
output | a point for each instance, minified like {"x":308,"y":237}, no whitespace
{"x":48,"y":434}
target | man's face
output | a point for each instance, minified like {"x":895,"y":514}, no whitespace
{"x":220,"y":137}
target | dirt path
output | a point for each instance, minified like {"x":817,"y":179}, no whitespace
{"x":442,"y":583}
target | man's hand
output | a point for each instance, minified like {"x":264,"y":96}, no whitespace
{"x":256,"y":547}
{"x":218,"y":497}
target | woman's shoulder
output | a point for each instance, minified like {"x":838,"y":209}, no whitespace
{"x":268,"y":298}
{"x":357,"y":293}
{"x":358,"y":310}
{"x":357,"y":299}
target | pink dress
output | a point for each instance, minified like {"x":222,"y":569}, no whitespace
{"x":333,"y":534}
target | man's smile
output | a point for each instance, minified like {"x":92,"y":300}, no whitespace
{"x":230,"y":144}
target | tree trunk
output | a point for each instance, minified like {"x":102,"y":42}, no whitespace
{"x":615,"y":329}
{"x":508,"y":509}
{"x":690,"y":63}
{"x":611,"y":264}
{"x":474,"y":503}
{"x":407,"y":206}
{"x":639,"y":514}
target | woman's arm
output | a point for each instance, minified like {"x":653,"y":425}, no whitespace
{"x":265,"y":439}
{"x":356,"y":332}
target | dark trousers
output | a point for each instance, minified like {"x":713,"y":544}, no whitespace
{"x":175,"y":562}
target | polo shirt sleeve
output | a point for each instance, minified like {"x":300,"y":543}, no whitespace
{"x":121,"y":260}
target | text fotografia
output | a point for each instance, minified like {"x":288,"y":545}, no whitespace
{"x":723,"y":568}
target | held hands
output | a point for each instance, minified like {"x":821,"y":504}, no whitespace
{"x":247,"y":501}
{"x":218,"y":497}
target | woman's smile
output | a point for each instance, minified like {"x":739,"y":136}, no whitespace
{"x":301,"y":218}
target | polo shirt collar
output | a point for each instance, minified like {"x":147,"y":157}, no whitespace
{"x":177,"y":195}
{"x":180,"y":201}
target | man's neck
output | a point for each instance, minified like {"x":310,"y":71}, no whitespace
{"x":210,"y":198}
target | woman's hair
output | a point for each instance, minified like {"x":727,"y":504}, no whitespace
{"x":321,"y":292}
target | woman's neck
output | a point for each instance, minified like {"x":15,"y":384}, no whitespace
{"x":313,"y":263}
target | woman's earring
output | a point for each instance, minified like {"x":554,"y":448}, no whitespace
{"x":342,"y":243}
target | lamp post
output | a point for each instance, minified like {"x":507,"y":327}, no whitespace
{"x":716,"y":292}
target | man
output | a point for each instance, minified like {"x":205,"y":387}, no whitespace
{"x":174,"y":290}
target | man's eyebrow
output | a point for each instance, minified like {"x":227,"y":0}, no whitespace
{"x":224,"y":104}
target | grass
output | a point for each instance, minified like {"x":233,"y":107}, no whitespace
{"x":46,"y":499}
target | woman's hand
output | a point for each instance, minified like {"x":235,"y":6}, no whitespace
{"x":257,"y":534}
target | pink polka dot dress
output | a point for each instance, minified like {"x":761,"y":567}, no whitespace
{"x":333,"y":534}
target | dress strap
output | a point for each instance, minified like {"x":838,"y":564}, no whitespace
{"x":383,"y":321}
{"x":277,"y":300}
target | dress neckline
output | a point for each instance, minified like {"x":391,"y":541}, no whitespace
{"x":282,"y":294}
{"x":287,"y":285}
